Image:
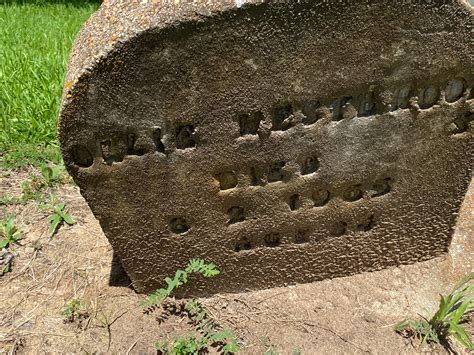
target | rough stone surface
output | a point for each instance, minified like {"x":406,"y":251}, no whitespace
{"x":286,"y":142}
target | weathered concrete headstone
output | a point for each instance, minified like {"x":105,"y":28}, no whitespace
{"x":286,"y":142}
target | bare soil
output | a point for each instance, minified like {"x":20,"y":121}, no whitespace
{"x":346,"y":315}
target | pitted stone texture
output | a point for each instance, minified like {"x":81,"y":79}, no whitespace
{"x":286,"y":142}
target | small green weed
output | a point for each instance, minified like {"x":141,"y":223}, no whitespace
{"x":30,"y":192}
{"x":33,"y":189}
{"x":9,"y":232}
{"x":6,"y":268}
{"x":180,"y":278}
{"x":7,"y":200}
{"x":106,"y":320}
{"x":51,"y":176}
{"x":74,"y":310}
{"x":60,"y":215}
{"x":211,"y":334}
{"x":188,"y":344}
{"x":448,"y":319}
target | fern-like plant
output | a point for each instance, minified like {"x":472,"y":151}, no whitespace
{"x":211,"y":332}
{"x":192,"y":343}
{"x":197,"y":266}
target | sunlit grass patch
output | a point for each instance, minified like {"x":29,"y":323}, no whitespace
{"x":23,"y":154}
{"x":35,"y":40}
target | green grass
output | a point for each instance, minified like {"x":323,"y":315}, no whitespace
{"x":23,"y":154}
{"x":35,"y":40}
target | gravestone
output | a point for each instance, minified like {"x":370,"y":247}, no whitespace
{"x":286,"y":142}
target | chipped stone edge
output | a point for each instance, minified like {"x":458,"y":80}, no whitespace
{"x":117,"y":22}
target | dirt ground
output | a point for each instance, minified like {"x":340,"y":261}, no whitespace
{"x":346,"y":315}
